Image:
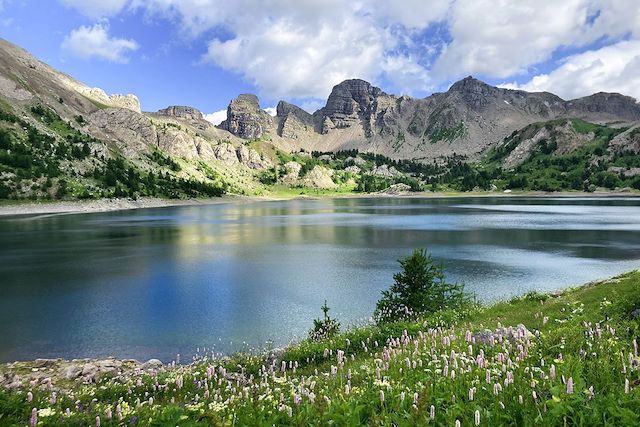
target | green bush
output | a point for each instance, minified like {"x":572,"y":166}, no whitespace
{"x":419,"y":289}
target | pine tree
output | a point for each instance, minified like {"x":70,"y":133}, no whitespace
{"x":420,"y":288}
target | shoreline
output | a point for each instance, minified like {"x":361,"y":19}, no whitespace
{"x":66,"y":372}
{"x":66,"y":207}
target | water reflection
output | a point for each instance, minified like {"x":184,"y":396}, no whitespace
{"x":156,"y":282}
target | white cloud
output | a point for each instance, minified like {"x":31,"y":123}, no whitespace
{"x":502,"y":38}
{"x":216,"y":117}
{"x":312,"y":105}
{"x":302,"y":49}
{"x":95,"y":42}
{"x":614,"y":68}
{"x":270,"y":111}
{"x":96,"y":8}
{"x":409,"y":13}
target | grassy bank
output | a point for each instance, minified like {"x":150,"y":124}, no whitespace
{"x":563,"y":359}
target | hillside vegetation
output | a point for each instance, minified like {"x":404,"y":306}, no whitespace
{"x":44,"y":157}
{"x":568,"y":358}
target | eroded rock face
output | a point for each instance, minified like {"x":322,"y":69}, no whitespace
{"x":385,"y":171}
{"x":228,"y":154}
{"x":182,"y":144}
{"x":251,"y":158}
{"x":350,"y":102}
{"x":319,"y":177}
{"x":182,"y":112}
{"x":292,"y":172}
{"x":129,"y":101}
{"x":12,"y":90}
{"x":133,"y":132}
{"x":606,"y":106}
{"x":246,"y":119}
{"x":293,"y":121}
{"x":626,"y":141}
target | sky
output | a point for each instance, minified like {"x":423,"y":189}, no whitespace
{"x":203,"y":53}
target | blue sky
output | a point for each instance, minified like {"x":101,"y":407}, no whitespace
{"x":203,"y":53}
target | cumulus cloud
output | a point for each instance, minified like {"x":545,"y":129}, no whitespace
{"x":504,"y":37}
{"x":270,"y":111}
{"x":614,"y":68}
{"x":97,"y":9}
{"x":301,"y":49}
{"x":216,"y":117}
{"x":95,"y":42}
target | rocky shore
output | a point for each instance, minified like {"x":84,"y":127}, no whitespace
{"x":106,"y":205}
{"x":64,"y":374}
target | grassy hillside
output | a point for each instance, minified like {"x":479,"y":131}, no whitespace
{"x":54,"y":160}
{"x":564,"y":359}
{"x":43,"y":157}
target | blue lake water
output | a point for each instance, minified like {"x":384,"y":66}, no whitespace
{"x":157,"y":282}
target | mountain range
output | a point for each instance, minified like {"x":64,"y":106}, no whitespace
{"x":468,"y":120}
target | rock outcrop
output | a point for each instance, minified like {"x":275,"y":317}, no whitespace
{"x":129,"y":101}
{"x":319,"y":177}
{"x":183,"y":112}
{"x":293,"y":121}
{"x":350,"y":103}
{"x":246,"y":119}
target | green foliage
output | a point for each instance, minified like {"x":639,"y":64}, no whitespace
{"x":447,"y":134}
{"x":324,"y":328}
{"x":269,"y":176}
{"x":419,"y":289}
{"x":164,"y":159}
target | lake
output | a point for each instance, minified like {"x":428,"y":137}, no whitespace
{"x":157,"y":282}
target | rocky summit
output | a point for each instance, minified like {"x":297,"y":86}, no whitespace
{"x":469,"y":118}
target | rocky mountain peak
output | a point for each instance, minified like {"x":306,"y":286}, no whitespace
{"x":470,"y":85}
{"x":607,"y":106}
{"x":284,"y":109}
{"x":246,"y":119}
{"x":181,"y":111}
{"x":292,"y":120}
{"x":349,"y":102}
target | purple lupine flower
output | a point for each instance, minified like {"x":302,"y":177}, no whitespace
{"x":570,"y":385}
{"x":34,"y":417}
{"x":98,"y":421}
{"x":382,"y":396}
